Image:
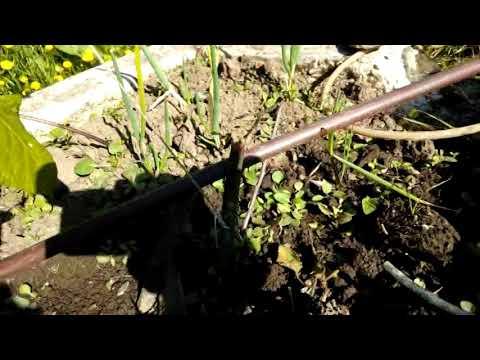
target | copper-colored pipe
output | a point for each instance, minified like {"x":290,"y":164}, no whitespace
{"x":55,"y":244}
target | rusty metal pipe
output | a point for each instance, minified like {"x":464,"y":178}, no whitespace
{"x":363,"y":111}
{"x":55,"y":244}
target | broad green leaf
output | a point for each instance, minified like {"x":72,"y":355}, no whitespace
{"x":277,"y":176}
{"x":84,"y":167}
{"x":369,"y":205}
{"x":26,"y":165}
{"x":288,"y":258}
{"x":317,"y":198}
{"x":75,"y":50}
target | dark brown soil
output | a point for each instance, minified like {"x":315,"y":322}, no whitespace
{"x":342,"y":269}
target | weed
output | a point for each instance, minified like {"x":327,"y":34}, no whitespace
{"x":290,"y":55}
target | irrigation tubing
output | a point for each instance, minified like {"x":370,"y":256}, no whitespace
{"x":49,"y":247}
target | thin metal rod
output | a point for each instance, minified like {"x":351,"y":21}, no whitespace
{"x":208,"y":175}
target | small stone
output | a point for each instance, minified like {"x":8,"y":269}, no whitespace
{"x":123,"y":289}
{"x":146,"y":301}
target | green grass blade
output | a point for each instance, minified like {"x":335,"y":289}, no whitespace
{"x":379,"y":180}
{"x":294,"y":55}
{"x":215,"y":94}
{"x":126,"y":101}
{"x":162,"y":77}
{"x":141,"y":95}
{"x":286,"y":58}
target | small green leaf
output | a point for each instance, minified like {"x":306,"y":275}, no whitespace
{"x":85,"y":167}
{"x":283,"y":208}
{"x":317,"y":198}
{"x":277,"y":176}
{"x":250,"y":175}
{"x":115,"y":148}
{"x":313,"y":225}
{"x":21,"y":302}
{"x":467,"y":306}
{"x":285,"y":220}
{"x":324,"y":209}
{"x":344,"y":218}
{"x":58,"y":133}
{"x":298,"y":214}
{"x":369,"y":205}
{"x":282,"y":196}
{"x":298,"y":185}
{"x":289,"y":259}
{"x":256,"y":244}
{"x":299,"y":203}
{"x":326,"y":186}
{"x":219,"y":185}
{"x":25,"y":290}
{"x":40,"y":201}
{"x":339,"y":194}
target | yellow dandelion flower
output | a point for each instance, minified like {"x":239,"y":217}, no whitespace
{"x":48,"y":47}
{"x":35,"y":85}
{"x":58,"y":78}
{"x":7,"y":46}
{"x":2,"y":83}
{"x":6,"y":64}
{"x":67,"y":64}
{"x":88,"y":55}
{"x":23,"y":79}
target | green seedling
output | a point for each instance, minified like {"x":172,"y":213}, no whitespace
{"x":376,"y":179}
{"x":257,"y":236}
{"x":85,"y":166}
{"x":439,"y":158}
{"x":134,"y":123}
{"x":141,"y":100}
{"x":185,"y":91}
{"x":333,"y":203}
{"x":290,"y":56}
{"x":270,"y":99}
{"x":219,"y":185}
{"x":214,"y":99}
{"x":60,"y":136}
{"x":251,"y":174}
{"x":34,"y":208}
{"x":369,"y":205}
{"x":161,"y":75}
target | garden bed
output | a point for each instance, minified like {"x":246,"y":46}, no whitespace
{"x":334,"y":226}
